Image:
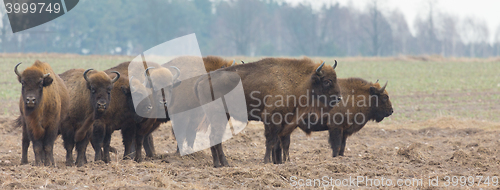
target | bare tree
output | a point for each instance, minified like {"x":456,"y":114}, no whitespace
{"x":447,"y":33}
{"x":497,"y":41}
{"x":473,"y":32}
{"x":400,"y":32}
{"x":238,"y":23}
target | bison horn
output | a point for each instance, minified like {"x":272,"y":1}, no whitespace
{"x":234,"y":62}
{"x":177,"y":74}
{"x":146,"y":72}
{"x":376,"y":81}
{"x":242,"y":62}
{"x":383,"y":88}
{"x":85,"y":74}
{"x":335,"y":65}
{"x":117,"y":76}
{"x":16,"y":71}
{"x":46,"y":75}
{"x":318,"y":70}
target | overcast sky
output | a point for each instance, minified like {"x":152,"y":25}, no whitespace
{"x":487,"y":10}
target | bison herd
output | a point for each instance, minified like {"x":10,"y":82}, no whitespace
{"x":89,"y":105}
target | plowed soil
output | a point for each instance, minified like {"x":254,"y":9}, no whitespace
{"x":413,"y":153}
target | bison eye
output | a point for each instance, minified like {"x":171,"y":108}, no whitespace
{"x":327,"y":83}
{"x":92,"y":90}
{"x":385,"y":98}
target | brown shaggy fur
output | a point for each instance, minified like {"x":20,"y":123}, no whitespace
{"x":40,"y":124}
{"x":86,"y":96}
{"x":359,"y":97}
{"x":267,"y":81}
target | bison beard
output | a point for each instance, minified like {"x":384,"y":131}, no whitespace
{"x":276,"y":76}
{"x":44,"y":101}
{"x":353,"y":90}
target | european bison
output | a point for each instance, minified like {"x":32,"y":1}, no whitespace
{"x":362,"y":101}
{"x":277,"y":91}
{"x":160,"y":81}
{"x":90,"y":93}
{"x":182,"y":98}
{"x":43,"y":103}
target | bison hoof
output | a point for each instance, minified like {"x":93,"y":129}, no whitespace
{"x":80,"y":164}
{"x":70,"y":164}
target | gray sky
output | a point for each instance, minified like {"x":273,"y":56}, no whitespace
{"x":487,"y":10}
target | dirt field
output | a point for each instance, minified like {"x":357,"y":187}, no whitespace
{"x":438,"y":148}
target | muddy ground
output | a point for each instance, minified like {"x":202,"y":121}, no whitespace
{"x":381,"y":153}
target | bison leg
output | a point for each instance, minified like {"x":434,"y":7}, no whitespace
{"x":342,"y":145}
{"x":128,"y":138}
{"x":98,"y":134}
{"x":149,"y":146}
{"x":267,"y":156}
{"x":81,"y":148}
{"x":139,"y":139}
{"x":335,"y":140}
{"x":107,"y":145}
{"x":69,"y":144}
{"x":215,"y":157}
{"x":221,"y":155}
{"x":277,"y":153}
{"x":26,"y":145}
{"x":285,"y":144}
{"x":272,"y":145}
{"x":39,"y":152}
{"x":48,"y":147}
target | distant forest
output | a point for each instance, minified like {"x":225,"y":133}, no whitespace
{"x":251,"y":28}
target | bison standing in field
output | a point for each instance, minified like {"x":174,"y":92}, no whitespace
{"x":273,"y":89}
{"x":362,"y":101}
{"x":139,"y":135}
{"x":182,"y":98}
{"x":156,"y":79}
{"x":90,"y":93}
{"x":43,"y":103}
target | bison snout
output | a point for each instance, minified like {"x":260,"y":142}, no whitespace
{"x":30,"y":101}
{"x":390,"y":113}
{"x":101,"y":105}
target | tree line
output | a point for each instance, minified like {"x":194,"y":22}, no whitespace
{"x":252,"y":28}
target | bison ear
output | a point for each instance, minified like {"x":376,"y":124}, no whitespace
{"x":125,"y":90}
{"x":47,"y":80}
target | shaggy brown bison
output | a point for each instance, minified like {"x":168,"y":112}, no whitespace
{"x":90,"y":93}
{"x":275,"y":87}
{"x":160,"y":81}
{"x":43,"y":103}
{"x":182,"y":98}
{"x":362,"y":101}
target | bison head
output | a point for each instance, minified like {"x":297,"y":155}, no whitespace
{"x":33,"y":81}
{"x":100,"y":85}
{"x":145,"y":105}
{"x":325,"y":85}
{"x":162,"y":81}
{"x":382,"y":107}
